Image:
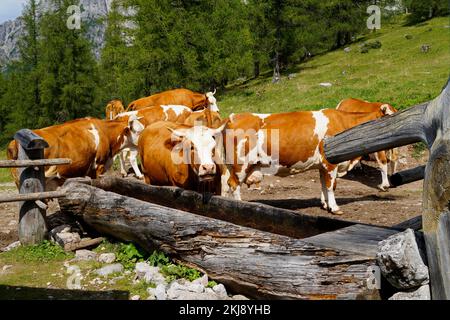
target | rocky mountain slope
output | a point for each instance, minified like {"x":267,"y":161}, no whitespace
{"x":92,"y":10}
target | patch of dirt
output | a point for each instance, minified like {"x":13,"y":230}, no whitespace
{"x":9,"y":217}
{"x":356,"y":194}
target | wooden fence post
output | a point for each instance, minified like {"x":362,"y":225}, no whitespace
{"x":32,"y":225}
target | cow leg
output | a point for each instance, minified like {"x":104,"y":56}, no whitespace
{"x":134,"y":164}
{"x":382,"y":163}
{"x":122,"y":160}
{"x":330,"y":178}
{"x":225,"y":187}
{"x":324,"y":191}
{"x":392,"y":161}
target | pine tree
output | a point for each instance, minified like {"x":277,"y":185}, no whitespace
{"x":115,"y":57}
{"x":21,"y":99}
{"x":68,"y":68}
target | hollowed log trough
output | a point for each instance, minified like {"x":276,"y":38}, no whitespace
{"x":235,"y":243}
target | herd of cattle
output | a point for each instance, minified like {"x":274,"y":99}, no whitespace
{"x":182,"y":141}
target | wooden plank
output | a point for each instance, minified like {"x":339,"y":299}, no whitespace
{"x":389,"y":132}
{"x":32,"y":196}
{"x":414,"y":223}
{"x":360,"y":239}
{"x":84,"y":243}
{"x":253,"y":215}
{"x":255,"y":263}
{"x":33,"y":163}
{"x":29,"y":140}
{"x":407,"y":176}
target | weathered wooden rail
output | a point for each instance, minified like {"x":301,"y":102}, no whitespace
{"x":429,"y":123}
{"x":30,"y":164}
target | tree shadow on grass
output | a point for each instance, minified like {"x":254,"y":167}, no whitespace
{"x":27,"y":293}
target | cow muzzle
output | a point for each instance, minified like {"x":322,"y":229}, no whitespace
{"x":206,"y":172}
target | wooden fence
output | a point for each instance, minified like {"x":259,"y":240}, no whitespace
{"x":428,"y":123}
{"x":31,"y":172}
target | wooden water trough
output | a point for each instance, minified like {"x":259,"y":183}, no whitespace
{"x":254,"y":249}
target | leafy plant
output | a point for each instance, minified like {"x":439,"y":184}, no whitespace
{"x":129,"y":255}
{"x":43,"y":252}
{"x":158,"y":259}
{"x":212,"y":284}
{"x":173,"y":272}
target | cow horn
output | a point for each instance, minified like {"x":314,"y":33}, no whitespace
{"x":215,"y":91}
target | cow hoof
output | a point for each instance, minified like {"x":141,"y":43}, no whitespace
{"x":383,"y":188}
{"x":337,"y":213}
{"x":323,"y":206}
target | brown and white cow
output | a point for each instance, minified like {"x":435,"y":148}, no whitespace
{"x":114,"y":108}
{"x":386,"y":160}
{"x":178,"y":155}
{"x":290,"y":143}
{"x":90,"y":143}
{"x":193,"y":100}
{"x":172,"y":113}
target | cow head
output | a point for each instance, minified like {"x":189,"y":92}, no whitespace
{"x":212,"y":101}
{"x":388,"y":110}
{"x":198,"y":144}
{"x":114,"y":108}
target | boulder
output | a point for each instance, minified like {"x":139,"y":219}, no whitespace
{"x":220,"y":290}
{"x":423,"y":293}
{"x":159,"y":293}
{"x":110,"y":269}
{"x":402,"y":262}
{"x":107,"y":258}
{"x":62,"y":235}
{"x":85,"y":255}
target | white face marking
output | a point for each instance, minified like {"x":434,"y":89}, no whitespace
{"x":178,"y":110}
{"x":125,"y":114}
{"x":212,"y":102}
{"x":262,"y":116}
{"x":96,"y":136}
{"x":388,"y":111}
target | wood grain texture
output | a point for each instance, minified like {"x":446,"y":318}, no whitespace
{"x":248,"y":261}
{"x":31,"y":196}
{"x":254,"y":215}
{"x":32,"y":225}
{"x":33,"y":163}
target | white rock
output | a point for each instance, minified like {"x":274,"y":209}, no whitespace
{"x":141,"y":269}
{"x":160,"y":292}
{"x":135,"y":298}
{"x":110,"y":269}
{"x":85,"y":255}
{"x":203,"y":281}
{"x":423,"y":293}
{"x":107,"y":258}
{"x":326,"y":84}
{"x":12,"y":246}
{"x":195,"y":287}
{"x":220,"y":290}
{"x":401,"y":262}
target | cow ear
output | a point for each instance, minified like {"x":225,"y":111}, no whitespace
{"x":177,"y":133}
{"x":385,"y":109}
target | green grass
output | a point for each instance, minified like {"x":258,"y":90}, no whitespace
{"x":397,"y":73}
{"x":5,"y":174}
